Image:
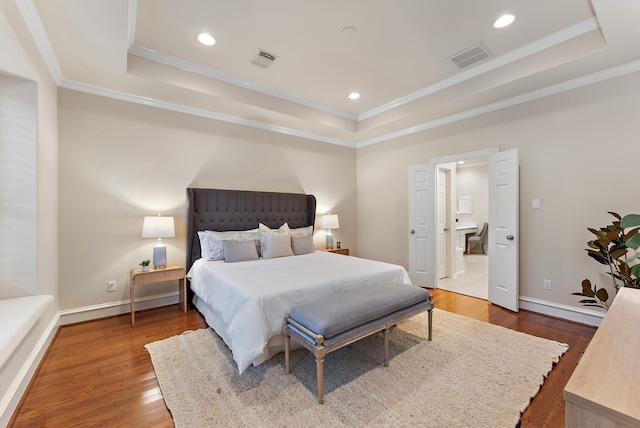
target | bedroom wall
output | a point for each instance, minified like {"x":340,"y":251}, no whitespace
{"x":577,"y":155}
{"x":120,"y":161}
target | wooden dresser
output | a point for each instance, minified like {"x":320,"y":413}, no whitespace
{"x":604,"y":390}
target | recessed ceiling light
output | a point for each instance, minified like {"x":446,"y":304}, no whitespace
{"x":354,"y":96}
{"x":206,"y":39}
{"x":504,"y":20}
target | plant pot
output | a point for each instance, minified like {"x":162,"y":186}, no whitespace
{"x":145,"y":268}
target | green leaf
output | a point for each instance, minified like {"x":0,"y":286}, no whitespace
{"x":630,"y":220}
{"x":635,"y":270}
{"x":632,"y":258}
{"x":633,"y":242}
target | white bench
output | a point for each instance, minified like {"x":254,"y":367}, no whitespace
{"x":17,"y":316}
{"x":338,"y":320}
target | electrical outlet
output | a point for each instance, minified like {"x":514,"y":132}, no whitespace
{"x":547,"y":284}
{"x":111,"y":286}
{"x":535,"y":204}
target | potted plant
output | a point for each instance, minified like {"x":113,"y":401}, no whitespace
{"x":616,"y":246}
{"x":145,"y":265}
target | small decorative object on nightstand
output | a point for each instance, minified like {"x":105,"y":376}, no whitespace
{"x":169,"y":273}
{"x":145,"y":265}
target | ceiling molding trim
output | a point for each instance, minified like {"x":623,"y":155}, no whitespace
{"x":34,"y":24}
{"x":522,"y":52}
{"x":152,"y":102}
{"x":211,"y":73}
{"x":131,"y":25}
{"x":510,"y":102}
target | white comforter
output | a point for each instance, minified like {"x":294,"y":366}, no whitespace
{"x":252,"y":298}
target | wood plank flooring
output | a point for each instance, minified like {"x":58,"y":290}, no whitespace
{"x":99,"y":374}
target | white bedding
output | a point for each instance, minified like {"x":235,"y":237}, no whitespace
{"x":250,"y":299}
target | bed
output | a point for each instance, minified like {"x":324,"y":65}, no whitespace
{"x":245,"y":302}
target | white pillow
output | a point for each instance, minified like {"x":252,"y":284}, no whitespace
{"x":302,"y":232}
{"x":275,"y":243}
{"x":204,"y":244}
{"x":214,"y":241}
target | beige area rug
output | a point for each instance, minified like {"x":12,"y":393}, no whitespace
{"x":471,"y":374}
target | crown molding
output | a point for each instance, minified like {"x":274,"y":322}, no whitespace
{"x":153,"y":102}
{"x":500,"y":61}
{"x":510,"y":102}
{"x":34,"y":24}
{"x":192,"y":67}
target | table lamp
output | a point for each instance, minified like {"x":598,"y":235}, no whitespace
{"x":158,"y":227}
{"x":329,"y":221}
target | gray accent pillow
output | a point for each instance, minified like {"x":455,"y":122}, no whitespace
{"x":302,"y":245}
{"x":239,"y":251}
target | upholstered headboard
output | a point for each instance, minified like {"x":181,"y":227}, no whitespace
{"x":224,"y":210}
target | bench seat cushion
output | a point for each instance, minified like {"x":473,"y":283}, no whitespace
{"x":338,"y":313}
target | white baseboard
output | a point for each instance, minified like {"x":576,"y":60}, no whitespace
{"x":558,"y":310}
{"x":9,"y":402}
{"x":103,"y":310}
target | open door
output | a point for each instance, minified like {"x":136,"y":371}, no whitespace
{"x":422,"y":261}
{"x":503,"y":229}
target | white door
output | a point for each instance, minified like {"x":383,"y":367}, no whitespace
{"x":422,"y":261}
{"x":503,"y":229}
{"x":441,"y":219}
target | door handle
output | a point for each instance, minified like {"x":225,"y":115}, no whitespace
{"x":446,"y":229}
{"x":412,"y":231}
{"x":510,"y":237}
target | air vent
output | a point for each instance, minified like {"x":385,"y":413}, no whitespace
{"x":471,"y":56}
{"x":263,"y":59}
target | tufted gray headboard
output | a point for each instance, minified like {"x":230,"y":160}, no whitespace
{"x":224,"y":210}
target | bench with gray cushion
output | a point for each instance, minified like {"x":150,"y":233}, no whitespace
{"x":327,"y":324}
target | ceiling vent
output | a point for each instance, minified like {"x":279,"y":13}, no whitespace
{"x":263,"y":59}
{"x":471,"y":56}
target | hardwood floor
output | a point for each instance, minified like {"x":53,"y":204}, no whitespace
{"x":99,"y":374}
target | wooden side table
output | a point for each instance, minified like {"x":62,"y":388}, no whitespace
{"x":153,"y":276}
{"x":344,"y":251}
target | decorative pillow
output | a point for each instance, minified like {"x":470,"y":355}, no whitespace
{"x":275,"y":243}
{"x":239,"y":251}
{"x":214,"y":241}
{"x":302,"y":245}
{"x":204,"y":244}
{"x":302,"y":231}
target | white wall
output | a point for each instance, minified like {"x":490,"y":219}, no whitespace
{"x":473,"y":181}
{"x":577,"y":152}
{"x":120,"y":161}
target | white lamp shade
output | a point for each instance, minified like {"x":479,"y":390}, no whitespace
{"x":158,"y":227}
{"x":329,"y":221}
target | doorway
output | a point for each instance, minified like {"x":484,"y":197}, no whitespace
{"x":468,"y":199}
{"x":503,"y":236}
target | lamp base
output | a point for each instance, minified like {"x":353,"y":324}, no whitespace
{"x":159,"y":257}
{"x":329,"y":241}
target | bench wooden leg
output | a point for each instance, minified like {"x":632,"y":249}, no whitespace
{"x":385,"y":335}
{"x":287,"y":344}
{"x":320,"y":376}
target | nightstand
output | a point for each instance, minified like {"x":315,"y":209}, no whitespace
{"x":154,"y":276}
{"x":344,"y":251}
